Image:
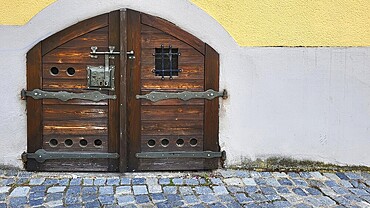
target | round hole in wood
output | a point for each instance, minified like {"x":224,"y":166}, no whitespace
{"x":165,"y":142}
{"x":68,"y":142}
{"x":193,"y":142}
{"x":151,"y":143}
{"x":83,"y":143}
{"x":71,"y":71}
{"x":53,"y":142}
{"x":54,"y":71}
{"x":180,"y":142}
{"x":98,"y":142}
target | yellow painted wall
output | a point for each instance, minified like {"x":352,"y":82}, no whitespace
{"x":260,"y":22}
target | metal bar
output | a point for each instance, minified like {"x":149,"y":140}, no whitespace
{"x":41,"y":155}
{"x":170,"y":58}
{"x":162,"y":51}
{"x":65,"y":96}
{"x":205,"y":154}
{"x":186,"y":95}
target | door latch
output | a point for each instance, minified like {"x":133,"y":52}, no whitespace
{"x":101,"y":77}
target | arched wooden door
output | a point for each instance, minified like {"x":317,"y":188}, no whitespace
{"x":150,"y":102}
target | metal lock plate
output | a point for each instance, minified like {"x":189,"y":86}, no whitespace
{"x":98,"y":77}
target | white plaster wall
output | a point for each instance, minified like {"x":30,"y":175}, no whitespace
{"x":306,"y":103}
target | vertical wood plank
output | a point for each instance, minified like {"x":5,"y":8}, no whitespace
{"x":113,"y":110}
{"x":123,"y":93}
{"x":34,"y":107}
{"x":211,"y":141}
{"x":133,"y":87}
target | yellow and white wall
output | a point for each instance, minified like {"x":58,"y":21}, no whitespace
{"x":306,"y":102}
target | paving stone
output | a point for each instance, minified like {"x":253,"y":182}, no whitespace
{"x":302,"y":205}
{"x":38,"y":189}
{"x":191,"y":182}
{"x":305,"y":175}
{"x":300,"y":182}
{"x":125,"y":181}
{"x":3,"y":196}
{"x":73,"y":190}
{"x":164,"y":181}
{"x":21,"y":191}
{"x":258,"y":197}
{"x":202,"y":190}
{"x":140,"y":190}
{"x":54,"y":197}
{"x":217,"y":205}
{"x":313,"y":191}
{"x":36,"y":202}
{"x":4,"y":189}
{"x":50,"y":181}
{"x":316,"y":183}
{"x":106,"y":190}
{"x":89,"y":190}
{"x":326,"y":201}
{"x":242,"y":199}
{"x":242,"y":174}
{"x":282,"y":190}
{"x":366,"y":198}
{"x":207,"y":198}
{"x":359,"y":192}
{"x":17,"y":201}
{"x":155,"y":189}
{"x":106,"y":199}
{"x":354,"y":183}
{"x":191,"y":199}
{"x":89,"y":198}
{"x":233,"y":181}
{"x":261,"y":181}
{"x":343,"y":201}
{"x":340,"y":190}
{"x":3,"y":205}
{"x":331,"y":176}
{"x":151,"y":181}
{"x":138,"y":181}
{"x":170,"y":189}
{"x":353,"y":176}
{"x":342,"y":176}
{"x":88,"y":182}
{"x":251,"y":189}
{"x":345,"y":183}
{"x":299,"y":192}
{"x":126,"y":199}
{"x":142,"y":199}
{"x":185,"y":190}
{"x":285,"y":182}
{"x":293,"y":175}
{"x":216,"y":181}
{"x":56,"y":189}
{"x":178,"y":181}
{"x":272,"y":182}
{"x":99,"y":181}
{"x":75,"y":181}
{"x":249,"y":182}
{"x":228,"y":173}
{"x":36,"y":181}
{"x":157,"y":197}
{"x":328,"y":192}
{"x":202,"y":181}
{"x":281,"y":204}
{"x":92,"y":204}
{"x":71,"y":199}
{"x":317,"y":175}
{"x":173,"y":197}
{"x":63,"y":182}
{"x":235,"y":189}
{"x":220,"y":190}
{"x":123,"y":190}
{"x":268,"y":191}
{"x":21,"y":181}
{"x":113,"y":181}
{"x":56,"y":203}
{"x":273,"y":197}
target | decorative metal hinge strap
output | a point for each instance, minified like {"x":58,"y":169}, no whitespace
{"x":210,"y":94}
{"x":65,"y":96}
{"x":41,"y":155}
{"x":205,"y":154}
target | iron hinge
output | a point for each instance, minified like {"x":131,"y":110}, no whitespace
{"x":65,"y":96}
{"x":41,"y":155}
{"x":204,"y":154}
{"x":186,"y":95}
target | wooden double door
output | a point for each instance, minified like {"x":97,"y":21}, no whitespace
{"x":89,"y":104}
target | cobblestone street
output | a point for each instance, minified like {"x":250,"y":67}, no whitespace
{"x":220,"y":188}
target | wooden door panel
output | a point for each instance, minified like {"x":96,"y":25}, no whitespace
{"x":152,"y":143}
{"x":57,"y":143}
{"x":172,"y":85}
{"x":175,"y":113}
{"x":189,"y":71}
{"x":169,"y":127}
{"x":79,"y":70}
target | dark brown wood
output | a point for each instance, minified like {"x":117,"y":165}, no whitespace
{"x":76,"y":146}
{"x":189,"y":71}
{"x":123,"y":131}
{"x":173,"y":30}
{"x":74,"y":112}
{"x":133,"y":88}
{"x":113,"y":121}
{"x":34,"y":107}
{"x":76,"y":127}
{"x":80,"y":71}
{"x":64,"y":84}
{"x":171,"y":128}
{"x":81,"y":165}
{"x":74,"y":31}
{"x":72,"y":56}
{"x":97,"y":38}
{"x":73,"y":102}
{"x":211,"y":106}
{"x":172,"y":164}
{"x":172,"y":146}
{"x":160,"y":113}
{"x":171,"y":102}
{"x":172,"y":85}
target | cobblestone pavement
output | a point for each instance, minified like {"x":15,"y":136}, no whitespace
{"x":220,"y":188}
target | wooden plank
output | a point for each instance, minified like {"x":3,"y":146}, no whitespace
{"x":76,"y":127}
{"x":197,"y":60}
{"x":113,"y":121}
{"x":173,"y":85}
{"x":64,"y":84}
{"x":74,"y":102}
{"x":73,"y":165}
{"x":60,"y":146}
{"x":173,"y":30}
{"x":211,"y":126}
{"x":72,"y":56}
{"x":184,"y":52}
{"x":175,"y":113}
{"x":175,"y":142}
{"x":80,"y":71}
{"x":189,"y":71}
{"x":123,"y":93}
{"x":171,"y":128}
{"x":34,"y":107}
{"x":74,"y":31}
{"x":171,"y":102}
{"x":74,"y":112}
{"x":172,"y":164}
{"x":97,"y":38}
{"x":133,"y":88}
{"x":156,"y":40}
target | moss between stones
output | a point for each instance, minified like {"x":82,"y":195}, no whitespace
{"x":285,"y":164}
